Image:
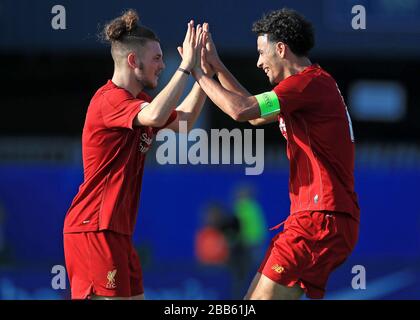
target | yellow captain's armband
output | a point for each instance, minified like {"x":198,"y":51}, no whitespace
{"x":269,"y":103}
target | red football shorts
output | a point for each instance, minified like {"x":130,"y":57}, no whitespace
{"x":311,"y":245}
{"x":102,"y":263}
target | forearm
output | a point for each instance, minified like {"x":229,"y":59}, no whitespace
{"x":192,"y":105}
{"x":228,"y":80}
{"x":238,"y":107}
{"x":163,"y":104}
{"x":261,"y":121}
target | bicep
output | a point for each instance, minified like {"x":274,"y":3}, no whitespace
{"x":249,"y":109}
{"x":121,"y":115}
{"x":264,"y":108}
{"x":145,"y":117}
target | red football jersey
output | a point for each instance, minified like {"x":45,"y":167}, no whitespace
{"x":113,"y":160}
{"x":320,"y":143}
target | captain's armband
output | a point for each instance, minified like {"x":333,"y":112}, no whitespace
{"x":269,"y":103}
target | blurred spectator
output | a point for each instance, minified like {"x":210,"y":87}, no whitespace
{"x":211,"y":245}
{"x":252,"y":222}
{"x":218,"y":243}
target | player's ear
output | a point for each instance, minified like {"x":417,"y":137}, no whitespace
{"x":132,"y":60}
{"x":280,"y":48}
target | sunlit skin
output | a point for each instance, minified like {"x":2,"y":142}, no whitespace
{"x":277,"y":60}
{"x":150,"y":65}
{"x":269,"y":59}
{"x":140,"y":69}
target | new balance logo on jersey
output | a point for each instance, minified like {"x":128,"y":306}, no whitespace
{"x":277,"y":268}
{"x":111,"y":279}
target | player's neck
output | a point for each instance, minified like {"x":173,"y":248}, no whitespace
{"x":126,"y":81}
{"x":297,"y":65}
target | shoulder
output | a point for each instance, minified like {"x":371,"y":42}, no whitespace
{"x":312,"y":77}
{"x":144,"y":97}
{"x":110,"y":95}
{"x":295,"y":83}
{"x":114,"y":95}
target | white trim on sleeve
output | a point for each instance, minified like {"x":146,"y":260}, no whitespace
{"x":144,"y":105}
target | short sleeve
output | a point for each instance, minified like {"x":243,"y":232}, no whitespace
{"x":293,"y":94}
{"x":119,"y":109}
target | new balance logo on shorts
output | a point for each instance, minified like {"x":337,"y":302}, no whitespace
{"x":277,"y":268}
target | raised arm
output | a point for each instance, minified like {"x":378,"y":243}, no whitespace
{"x":226,"y":78}
{"x":191,"y":106}
{"x":238,"y":107}
{"x":238,"y":103}
{"x":158,"y":111}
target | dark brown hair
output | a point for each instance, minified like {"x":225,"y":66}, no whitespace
{"x":126,"y":29}
{"x":287,"y":26}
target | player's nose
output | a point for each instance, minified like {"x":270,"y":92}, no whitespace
{"x":259,"y":63}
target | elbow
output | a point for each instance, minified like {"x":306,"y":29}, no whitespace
{"x":185,"y":122}
{"x":156,"y":121}
{"x":188,"y":119}
{"x":239,"y":115}
{"x":242,"y":110}
{"x":159,"y":119}
{"x":151,"y":119}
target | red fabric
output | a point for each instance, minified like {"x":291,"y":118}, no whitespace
{"x":309,"y":248}
{"x":314,"y":121}
{"x":102,"y":263}
{"x":113,"y":160}
{"x":211,"y":246}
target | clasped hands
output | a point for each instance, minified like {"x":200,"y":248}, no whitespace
{"x":198,"y":52}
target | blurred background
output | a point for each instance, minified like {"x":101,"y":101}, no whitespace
{"x":203,"y":229}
